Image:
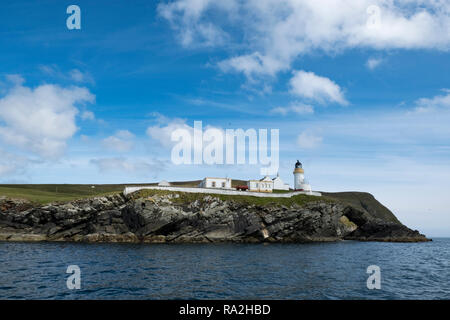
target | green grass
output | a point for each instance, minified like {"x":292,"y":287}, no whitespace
{"x":185,"y":197}
{"x":185,"y":183}
{"x":45,"y":193}
{"x":281,"y":191}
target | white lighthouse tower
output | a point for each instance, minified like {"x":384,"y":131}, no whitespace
{"x":299,"y":178}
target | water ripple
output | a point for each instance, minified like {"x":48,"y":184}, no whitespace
{"x":226,"y":271}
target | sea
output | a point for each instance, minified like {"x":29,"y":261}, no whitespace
{"x":338,"y":270}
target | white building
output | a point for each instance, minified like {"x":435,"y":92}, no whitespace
{"x":279,"y":184}
{"x":263,"y":185}
{"x":299,"y":178}
{"x":218,"y":183}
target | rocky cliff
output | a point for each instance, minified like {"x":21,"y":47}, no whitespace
{"x":156,"y":216}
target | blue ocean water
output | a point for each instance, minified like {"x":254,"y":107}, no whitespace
{"x":226,"y":271}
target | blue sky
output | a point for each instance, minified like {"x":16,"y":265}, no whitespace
{"x":364,"y":104}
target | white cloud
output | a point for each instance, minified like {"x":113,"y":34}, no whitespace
{"x":271,"y":34}
{"x":373,"y":63}
{"x":122,"y":141}
{"x":184,"y":17}
{"x":162,"y":131}
{"x":11,"y":164}
{"x":87,"y":115}
{"x":50,"y":70}
{"x":433,"y":104}
{"x":308,"y":140}
{"x":15,"y":79}
{"x":138,"y":167}
{"x":311,"y":86}
{"x":162,"y":134}
{"x":74,"y":75}
{"x":299,"y":108}
{"x":41,"y":119}
{"x":251,"y":64}
{"x":79,"y":76}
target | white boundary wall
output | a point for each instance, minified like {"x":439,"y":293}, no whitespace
{"x":129,"y":190}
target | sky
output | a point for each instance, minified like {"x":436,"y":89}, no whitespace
{"x":359,"y":91}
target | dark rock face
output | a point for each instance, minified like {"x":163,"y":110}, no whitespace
{"x":95,"y":219}
{"x":213,"y":220}
{"x":162,"y":218}
{"x":385,"y":231}
{"x":364,"y":202}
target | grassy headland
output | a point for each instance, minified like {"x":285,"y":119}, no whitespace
{"x":45,"y":193}
{"x":185,"y":197}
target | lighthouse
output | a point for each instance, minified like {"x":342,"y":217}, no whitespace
{"x":299,"y":178}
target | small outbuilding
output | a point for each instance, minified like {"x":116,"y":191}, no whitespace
{"x":163,"y":183}
{"x":279,"y":184}
{"x":216,"y":183}
{"x":263,"y":185}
